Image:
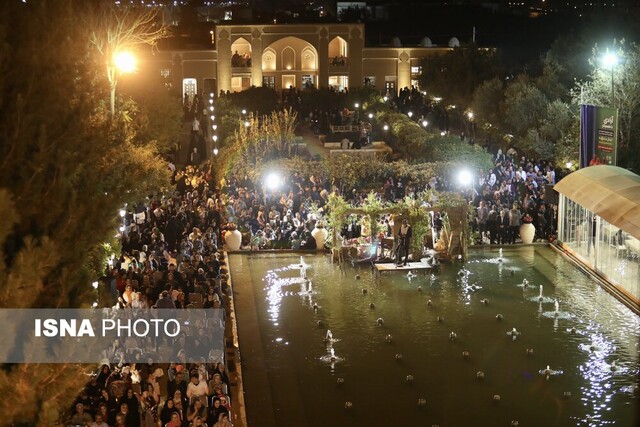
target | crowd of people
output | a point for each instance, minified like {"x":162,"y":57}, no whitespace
{"x":171,"y":247}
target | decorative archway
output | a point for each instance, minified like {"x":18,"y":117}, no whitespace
{"x":241,"y":53}
{"x":338,"y":48}
{"x":269,"y":59}
{"x":288,"y":58}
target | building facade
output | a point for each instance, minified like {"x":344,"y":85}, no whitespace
{"x":292,"y":55}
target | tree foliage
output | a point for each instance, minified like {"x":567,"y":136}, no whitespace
{"x":67,"y":167}
{"x":455,"y":75}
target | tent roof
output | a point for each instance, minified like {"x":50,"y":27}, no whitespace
{"x":610,"y":192}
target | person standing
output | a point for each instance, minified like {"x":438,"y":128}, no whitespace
{"x":514,"y":223}
{"x":404,"y":241}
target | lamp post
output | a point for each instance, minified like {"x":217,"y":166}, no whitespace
{"x":610,"y":60}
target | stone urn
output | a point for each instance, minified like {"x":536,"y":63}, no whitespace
{"x":232,"y":238}
{"x":527,"y":232}
{"x":320,"y":234}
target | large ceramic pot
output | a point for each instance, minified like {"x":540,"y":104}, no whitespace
{"x":527,"y":233}
{"x":232,"y":240}
{"x":320,"y":234}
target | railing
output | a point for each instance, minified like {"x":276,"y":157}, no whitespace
{"x":338,"y":61}
{"x":343,"y":129}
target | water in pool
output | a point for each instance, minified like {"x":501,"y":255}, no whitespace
{"x":513,"y":338}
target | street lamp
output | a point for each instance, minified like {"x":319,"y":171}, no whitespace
{"x":610,"y":60}
{"x":122,"y":62}
{"x":125,"y":62}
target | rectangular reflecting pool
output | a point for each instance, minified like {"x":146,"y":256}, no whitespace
{"x":349,"y":348}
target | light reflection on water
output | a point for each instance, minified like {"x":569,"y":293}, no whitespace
{"x":583,"y":339}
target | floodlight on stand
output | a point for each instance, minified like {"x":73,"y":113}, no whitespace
{"x":273,"y":181}
{"x":465,"y":178}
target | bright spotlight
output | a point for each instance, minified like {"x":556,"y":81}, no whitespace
{"x":247,"y":124}
{"x":470,"y":115}
{"x":425,"y":123}
{"x":356,"y":105}
{"x":211,"y":101}
{"x":371,"y":115}
{"x":443,"y":133}
{"x":211,"y":94}
{"x":215,"y":138}
{"x":465,"y":178}
{"x":211,"y":108}
{"x":215,"y":151}
{"x":94,"y":305}
{"x":610,"y":60}
{"x":95,"y":285}
{"x":385,"y":98}
{"x":121,"y":228}
{"x":385,"y":127}
{"x":244,"y":111}
{"x":273,"y":181}
{"x":125,"y":62}
{"x":569,"y":164}
{"x":214,"y":127}
{"x":410,"y":114}
{"x":122,"y":213}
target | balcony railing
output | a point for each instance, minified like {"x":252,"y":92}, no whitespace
{"x":338,"y":61}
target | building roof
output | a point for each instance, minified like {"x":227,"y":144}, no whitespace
{"x":610,"y":192}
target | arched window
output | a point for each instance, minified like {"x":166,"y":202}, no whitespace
{"x":288,"y":58}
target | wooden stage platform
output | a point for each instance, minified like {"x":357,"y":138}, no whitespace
{"x":382,"y":267}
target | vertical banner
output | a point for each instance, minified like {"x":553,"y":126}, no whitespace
{"x":606,"y":136}
{"x":587,"y":134}
{"x":598,"y":135}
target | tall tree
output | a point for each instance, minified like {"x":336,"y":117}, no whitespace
{"x":455,"y":75}
{"x":66,"y":168}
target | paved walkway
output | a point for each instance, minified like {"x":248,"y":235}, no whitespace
{"x":314,"y":145}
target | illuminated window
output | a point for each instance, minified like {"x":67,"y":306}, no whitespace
{"x":416,"y":70}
